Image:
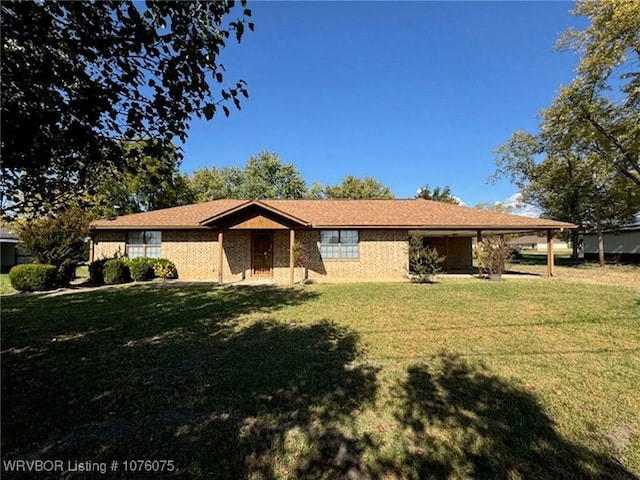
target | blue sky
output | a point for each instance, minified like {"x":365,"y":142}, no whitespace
{"x":407,"y":92}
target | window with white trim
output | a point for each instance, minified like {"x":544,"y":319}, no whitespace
{"x":339,"y":244}
{"x":144,"y":243}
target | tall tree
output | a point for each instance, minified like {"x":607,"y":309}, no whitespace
{"x":584,"y":164}
{"x":604,"y":97}
{"x":154,"y":183}
{"x":358,"y":188}
{"x":567,"y":181}
{"x":437,"y":195}
{"x":211,"y":183}
{"x":499,"y":207}
{"x":80,"y":80}
{"x":315,"y":191}
{"x":263,"y":176}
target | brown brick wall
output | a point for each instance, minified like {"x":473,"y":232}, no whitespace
{"x":193,"y":251}
{"x":108,"y":244}
{"x":383,"y":254}
{"x":237,"y":255}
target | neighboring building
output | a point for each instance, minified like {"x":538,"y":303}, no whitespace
{"x":622,"y":245}
{"x":536,"y":243}
{"x":11,"y":253}
{"x":231,"y":240}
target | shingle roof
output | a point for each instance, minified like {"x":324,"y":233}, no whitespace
{"x":414,"y":213}
{"x":8,"y":235}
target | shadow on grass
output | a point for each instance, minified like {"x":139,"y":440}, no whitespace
{"x":462,"y":421}
{"x":179,"y":374}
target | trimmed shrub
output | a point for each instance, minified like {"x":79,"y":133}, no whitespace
{"x":66,"y":271}
{"x":116,"y":271}
{"x":141,"y":268}
{"x":33,"y":277}
{"x":96,"y":271}
{"x":164,"y":268}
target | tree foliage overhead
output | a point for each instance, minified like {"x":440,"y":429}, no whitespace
{"x":80,"y":80}
{"x":569,"y":182}
{"x":437,"y":195}
{"x":357,"y":188}
{"x":155,"y":183}
{"x":583,"y":165}
{"x":604,"y":98}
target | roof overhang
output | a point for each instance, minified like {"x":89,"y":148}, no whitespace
{"x":443,"y":229}
{"x":147,"y":227}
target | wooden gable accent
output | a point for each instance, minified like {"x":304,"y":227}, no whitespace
{"x":259,"y":222}
{"x":254,"y":215}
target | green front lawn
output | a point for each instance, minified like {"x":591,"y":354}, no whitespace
{"x":5,"y":285}
{"x":521,"y":379}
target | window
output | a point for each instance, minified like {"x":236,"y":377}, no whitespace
{"x":144,"y":243}
{"x":339,"y":244}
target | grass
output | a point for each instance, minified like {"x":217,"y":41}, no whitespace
{"x":567,"y":269}
{"x":82,"y":272}
{"x":466,"y":379}
{"x":5,"y":285}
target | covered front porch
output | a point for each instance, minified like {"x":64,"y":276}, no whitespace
{"x":257,"y":243}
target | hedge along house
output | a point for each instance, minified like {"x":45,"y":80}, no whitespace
{"x":233,"y":240}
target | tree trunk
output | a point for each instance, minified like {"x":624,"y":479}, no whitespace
{"x":599,"y":232}
{"x":574,"y":244}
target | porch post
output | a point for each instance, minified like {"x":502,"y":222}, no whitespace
{"x":550,"y":253}
{"x":292,"y":241}
{"x":92,"y":249}
{"x":479,"y":252}
{"x":220,"y":256}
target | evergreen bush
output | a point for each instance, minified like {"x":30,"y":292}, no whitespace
{"x":33,"y":277}
{"x":141,"y":268}
{"x":116,"y":271}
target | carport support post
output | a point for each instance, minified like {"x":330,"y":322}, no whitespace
{"x":292,"y":242}
{"x":479,"y":252}
{"x":550,"y":253}
{"x":220,"y":256}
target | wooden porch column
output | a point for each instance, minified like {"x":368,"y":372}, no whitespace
{"x":220,"y":256}
{"x":479,"y":252}
{"x":550,"y":253}
{"x":92,"y":249}
{"x":292,"y":266}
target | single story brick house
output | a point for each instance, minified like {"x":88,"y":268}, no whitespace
{"x":232,"y":240}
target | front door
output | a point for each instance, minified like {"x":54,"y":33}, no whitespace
{"x":262,"y":257}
